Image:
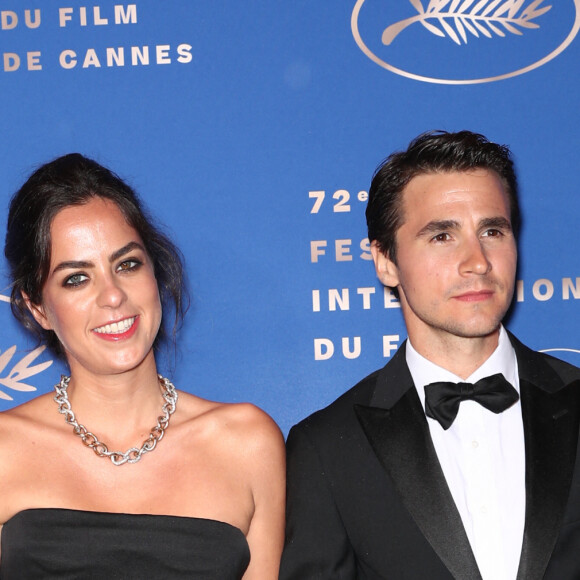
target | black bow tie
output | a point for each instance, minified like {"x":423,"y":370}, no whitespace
{"x":442,"y":399}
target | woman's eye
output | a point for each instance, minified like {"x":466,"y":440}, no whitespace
{"x":128,"y":265}
{"x":76,"y":280}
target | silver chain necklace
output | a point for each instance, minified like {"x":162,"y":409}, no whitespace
{"x":131,"y":455}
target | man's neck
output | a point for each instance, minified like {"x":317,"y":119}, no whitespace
{"x":460,"y":355}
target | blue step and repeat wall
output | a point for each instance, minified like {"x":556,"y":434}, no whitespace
{"x":252,"y":129}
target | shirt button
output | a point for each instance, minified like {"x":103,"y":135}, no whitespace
{"x":474,"y":444}
{"x":483,"y":510}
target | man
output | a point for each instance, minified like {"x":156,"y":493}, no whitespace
{"x":401,"y":478}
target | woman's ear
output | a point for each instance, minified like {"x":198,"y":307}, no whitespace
{"x":387,"y":271}
{"x":37,"y":312}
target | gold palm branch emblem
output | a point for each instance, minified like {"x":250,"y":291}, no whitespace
{"x":455,"y":19}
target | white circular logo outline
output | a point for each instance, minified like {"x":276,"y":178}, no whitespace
{"x":358,"y":39}
{"x":561,"y":350}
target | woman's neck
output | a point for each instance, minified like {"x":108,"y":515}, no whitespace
{"x":120,"y":409}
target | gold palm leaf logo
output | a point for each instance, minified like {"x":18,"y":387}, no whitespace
{"x":456,"y":19}
{"x":462,"y":21}
{"x":13,"y":373}
{"x":20,"y":371}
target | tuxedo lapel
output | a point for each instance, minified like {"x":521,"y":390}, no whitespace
{"x":395,"y":425}
{"x":551,"y":415}
{"x":551,"y":434}
{"x":397,"y":430}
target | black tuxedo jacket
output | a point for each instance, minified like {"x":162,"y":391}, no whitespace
{"x":367,"y":498}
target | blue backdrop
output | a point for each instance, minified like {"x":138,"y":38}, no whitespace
{"x":252,"y":129}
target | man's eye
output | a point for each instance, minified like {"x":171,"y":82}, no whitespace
{"x":76,"y":280}
{"x":441,"y":237}
{"x":493,"y":233}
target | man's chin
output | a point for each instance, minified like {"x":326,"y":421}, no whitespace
{"x":475,"y":330}
{"x":483,"y":334}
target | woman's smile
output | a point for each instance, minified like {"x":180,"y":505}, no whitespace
{"x":118,"y":330}
{"x":101,"y":296}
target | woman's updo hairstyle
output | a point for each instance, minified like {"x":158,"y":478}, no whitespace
{"x":74,"y":180}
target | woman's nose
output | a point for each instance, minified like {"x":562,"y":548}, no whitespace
{"x":111,"y":294}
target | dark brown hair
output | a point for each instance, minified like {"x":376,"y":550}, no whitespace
{"x":432,"y":152}
{"x":75,"y":180}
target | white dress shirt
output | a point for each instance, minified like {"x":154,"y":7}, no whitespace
{"x":483,"y":459}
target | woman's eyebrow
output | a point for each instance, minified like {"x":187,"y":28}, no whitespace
{"x":72,"y":264}
{"x":75,"y":264}
{"x":125,"y":250}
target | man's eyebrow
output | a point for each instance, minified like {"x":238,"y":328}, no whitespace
{"x":437,"y":226}
{"x":77,"y":264}
{"x":125,"y":250}
{"x":496,"y":222}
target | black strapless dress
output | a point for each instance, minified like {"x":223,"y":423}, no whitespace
{"x":71,"y":544}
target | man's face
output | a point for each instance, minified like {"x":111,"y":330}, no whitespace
{"x":456,"y":257}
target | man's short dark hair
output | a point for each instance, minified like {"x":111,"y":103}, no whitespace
{"x":432,"y":152}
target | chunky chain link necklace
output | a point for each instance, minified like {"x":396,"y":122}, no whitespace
{"x":131,"y":455}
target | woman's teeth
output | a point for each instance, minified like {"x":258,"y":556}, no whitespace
{"x":116,"y":327}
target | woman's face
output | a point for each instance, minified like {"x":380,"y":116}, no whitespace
{"x":101,"y":297}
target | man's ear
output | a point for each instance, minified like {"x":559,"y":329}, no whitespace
{"x":37,"y":312}
{"x":387,"y":271}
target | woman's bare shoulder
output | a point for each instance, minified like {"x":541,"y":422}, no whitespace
{"x":41,"y":408}
{"x":244,"y":426}
{"x":25,"y":433}
{"x":234,"y":416}
{"x":30,"y":417}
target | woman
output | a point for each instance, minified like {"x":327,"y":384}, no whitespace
{"x":166,"y":484}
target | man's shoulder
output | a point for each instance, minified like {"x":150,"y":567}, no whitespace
{"x":340,"y":413}
{"x":567,"y":372}
{"x":543,"y":366}
{"x":528,"y":357}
